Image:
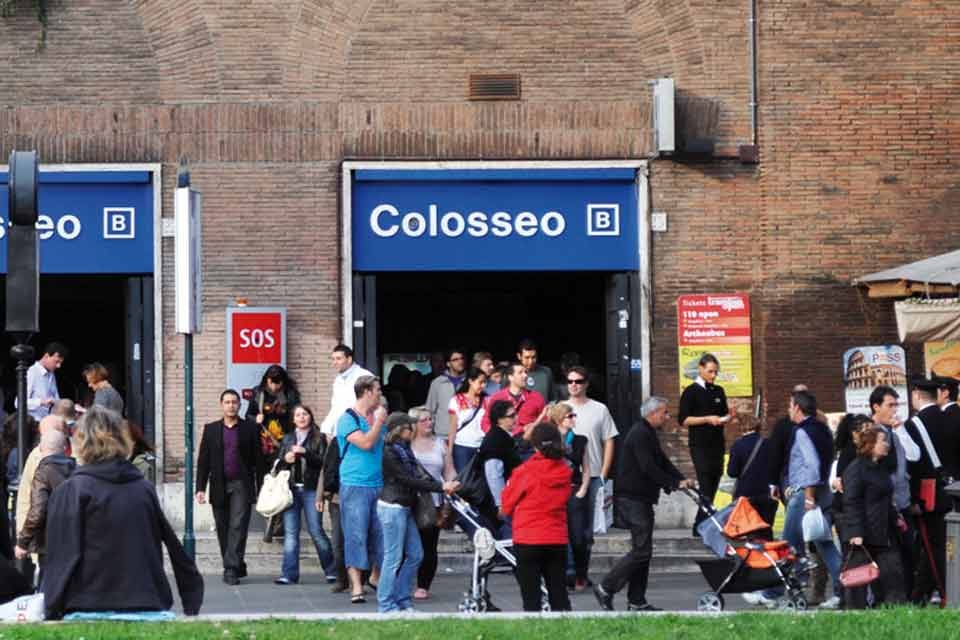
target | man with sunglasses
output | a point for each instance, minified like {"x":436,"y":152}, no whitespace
{"x":595,"y":422}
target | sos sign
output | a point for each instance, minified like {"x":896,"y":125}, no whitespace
{"x":256,"y":339}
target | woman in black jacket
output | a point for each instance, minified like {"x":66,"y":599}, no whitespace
{"x":302,"y":452}
{"x":871,"y":519}
{"x":104,"y":532}
{"x":403,"y":479}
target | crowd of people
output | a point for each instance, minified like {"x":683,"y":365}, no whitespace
{"x":877,"y":481}
{"x":543,"y":456}
{"x":378,"y":474}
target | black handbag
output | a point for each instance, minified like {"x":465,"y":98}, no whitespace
{"x":473,"y":482}
{"x":425,"y":512}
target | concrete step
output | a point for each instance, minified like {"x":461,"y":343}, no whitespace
{"x":674,"y":551}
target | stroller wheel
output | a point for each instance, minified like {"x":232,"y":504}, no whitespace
{"x":792,"y":603}
{"x":710,"y":602}
{"x":471,"y":605}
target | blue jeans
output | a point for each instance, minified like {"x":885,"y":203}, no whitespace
{"x":362,"y":538}
{"x":402,"y":554}
{"x":461,"y":456}
{"x":793,"y":533}
{"x":303,"y":501}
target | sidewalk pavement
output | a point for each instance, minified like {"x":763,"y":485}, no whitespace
{"x":257,"y":595}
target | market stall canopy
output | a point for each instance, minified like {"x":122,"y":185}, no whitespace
{"x":932,"y":316}
{"x":939,"y":275}
{"x":926,"y":320}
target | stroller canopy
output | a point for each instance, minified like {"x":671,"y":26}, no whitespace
{"x":743,"y":520}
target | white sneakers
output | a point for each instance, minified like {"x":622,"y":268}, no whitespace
{"x":832,"y":602}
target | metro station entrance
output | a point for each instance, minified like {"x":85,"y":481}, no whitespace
{"x":563,"y":312}
{"x":106,"y":319}
{"x":479,"y":255}
{"x":98,"y":245}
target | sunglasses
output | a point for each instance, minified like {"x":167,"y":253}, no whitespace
{"x":576,"y":380}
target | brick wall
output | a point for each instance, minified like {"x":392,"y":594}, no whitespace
{"x":858,"y":131}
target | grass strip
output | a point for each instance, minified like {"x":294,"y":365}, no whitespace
{"x":893,"y":624}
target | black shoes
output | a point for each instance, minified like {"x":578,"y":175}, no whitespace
{"x":230,"y":579}
{"x":603,"y":598}
{"x":645,"y":607}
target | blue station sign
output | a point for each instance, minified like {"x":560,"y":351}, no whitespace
{"x":90,"y":221}
{"x":495,"y":219}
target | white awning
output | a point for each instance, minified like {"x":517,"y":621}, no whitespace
{"x":925,"y":320}
{"x":939,"y":274}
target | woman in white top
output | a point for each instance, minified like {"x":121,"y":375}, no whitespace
{"x":431,"y":453}
{"x":466,"y":416}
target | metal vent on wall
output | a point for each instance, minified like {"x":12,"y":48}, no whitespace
{"x":494,"y":86}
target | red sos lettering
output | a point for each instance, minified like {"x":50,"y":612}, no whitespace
{"x":257,"y":338}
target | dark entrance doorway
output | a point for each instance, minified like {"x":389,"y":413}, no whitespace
{"x":100,"y":318}
{"x":587,"y":313}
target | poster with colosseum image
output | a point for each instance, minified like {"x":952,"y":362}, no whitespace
{"x":865,"y":368}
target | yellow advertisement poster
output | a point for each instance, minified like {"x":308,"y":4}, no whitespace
{"x":942,"y":358}
{"x":736,"y":367}
{"x":717,"y":323}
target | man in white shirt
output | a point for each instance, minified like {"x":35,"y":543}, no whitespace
{"x":594,"y":421}
{"x":343,"y":396}
{"x":42,"y":382}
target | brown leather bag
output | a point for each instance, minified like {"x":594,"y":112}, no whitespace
{"x":859,"y":576}
{"x":445,"y":516}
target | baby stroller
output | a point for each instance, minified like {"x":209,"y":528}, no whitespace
{"x":746,"y":560}
{"x":490,"y":556}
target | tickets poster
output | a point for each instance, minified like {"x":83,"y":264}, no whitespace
{"x":865,"y":368}
{"x":717,"y":324}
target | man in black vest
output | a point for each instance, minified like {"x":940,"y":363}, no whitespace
{"x":929,"y":502}
{"x":230,"y":460}
{"x":949,"y":445}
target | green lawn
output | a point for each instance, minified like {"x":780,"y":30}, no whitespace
{"x":904,"y":624}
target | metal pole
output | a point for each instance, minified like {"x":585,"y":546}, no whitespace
{"x":23,"y":353}
{"x":189,"y":542}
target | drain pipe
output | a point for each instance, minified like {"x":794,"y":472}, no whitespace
{"x":753,"y":72}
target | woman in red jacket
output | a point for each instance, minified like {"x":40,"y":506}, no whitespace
{"x":536,"y":498}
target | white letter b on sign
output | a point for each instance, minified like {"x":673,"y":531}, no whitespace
{"x":603,"y":219}
{"x":119,"y":223}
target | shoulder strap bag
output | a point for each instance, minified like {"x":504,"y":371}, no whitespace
{"x":275,"y":495}
{"x":743,"y":472}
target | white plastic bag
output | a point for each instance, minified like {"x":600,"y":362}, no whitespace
{"x":603,"y":508}
{"x":816,"y":528}
{"x":23,"y":609}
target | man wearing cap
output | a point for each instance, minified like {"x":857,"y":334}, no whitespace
{"x":929,"y":502}
{"x":949,"y":444}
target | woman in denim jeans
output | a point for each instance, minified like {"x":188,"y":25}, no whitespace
{"x":302,"y":451}
{"x":403,"y":479}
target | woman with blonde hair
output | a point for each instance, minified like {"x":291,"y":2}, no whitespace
{"x":104,"y":532}
{"x":431,"y":452}
{"x":579,"y":517}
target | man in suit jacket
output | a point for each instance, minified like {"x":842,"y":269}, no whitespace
{"x":230,"y":461}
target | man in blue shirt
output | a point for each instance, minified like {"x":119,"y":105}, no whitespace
{"x":360,"y":439}
{"x":809,"y":457}
{"x":42,"y":382}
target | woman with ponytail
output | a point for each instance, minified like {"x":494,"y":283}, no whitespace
{"x":536,"y":498}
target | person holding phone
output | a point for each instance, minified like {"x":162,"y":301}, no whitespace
{"x":704,"y":412}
